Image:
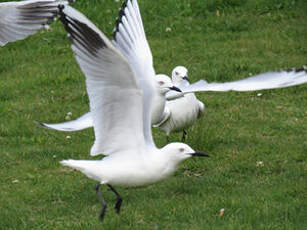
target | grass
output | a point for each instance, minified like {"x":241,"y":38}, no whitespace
{"x":219,"y":40}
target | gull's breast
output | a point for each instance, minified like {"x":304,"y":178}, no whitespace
{"x":184,"y":112}
{"x":134,"y":172}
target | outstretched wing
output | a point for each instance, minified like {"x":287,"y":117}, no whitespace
{"x":269,"y":80}
{"x":114,"y":94}
{"x":130,"y":39}
{"x":83,"y":122}
{"x":21,"y":19}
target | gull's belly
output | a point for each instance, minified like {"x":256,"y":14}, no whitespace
{"x":132,"y":173}
{"x":184,"y":113}
{"x":134,"y":178}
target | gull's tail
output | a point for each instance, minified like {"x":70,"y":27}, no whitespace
{"x":75,"y":164}
{"x":90,"y":168}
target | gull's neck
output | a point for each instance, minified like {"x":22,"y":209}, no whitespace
{"x":165,"y":160}
{"x":158,"y":107}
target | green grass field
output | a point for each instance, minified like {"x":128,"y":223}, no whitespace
{"x":217,"y":40}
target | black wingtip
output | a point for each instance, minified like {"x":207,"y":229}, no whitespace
{"x":116,"y":29}
{"x":81,"y":34}
{"x":124,"y":5}
{"x":61,"y":8}
{"x":121,"y":14}
{"x":62,"y":14}
{"x":41,"y":124}
{"x":301,"y":69}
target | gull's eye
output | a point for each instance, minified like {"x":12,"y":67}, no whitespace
{"x":161,"y":82}
{"x":181,"y":150}
{"x":176,"y":73}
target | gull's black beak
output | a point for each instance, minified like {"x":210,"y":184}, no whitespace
{"x":198,"y":154}
{"x":176,"y":89}
{"x":186,"y":78}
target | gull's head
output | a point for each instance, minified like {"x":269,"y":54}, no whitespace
{"x":165,"y":84}
{"x":179,"y":74}
{"x":178,"y":152}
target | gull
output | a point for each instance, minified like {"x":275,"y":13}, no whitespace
{"x":181,"y":113}
{"x":163,"y":85}
{"x":121,"y":93}
{"x":184,"y":110}
{"x":133,"y":45}
{"x":18,"y":20}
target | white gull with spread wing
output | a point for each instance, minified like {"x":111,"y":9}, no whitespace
{"x":121,"y":105}
{"x":183,"y":109}
{"x":130,"y":40}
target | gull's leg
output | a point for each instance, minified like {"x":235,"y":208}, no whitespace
{"x":119,"y":199}
{"x":184,"y":134}
{"x":103,"y":203}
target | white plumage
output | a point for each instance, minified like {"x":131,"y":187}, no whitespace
{"x":130,"y":40}
{"x":18,"y":20}
{"x":122,"y":123}
{"x":83,"y":122}
{"x":184,"y":108}
{"x":163,"y":86}
{"x":263,"y":81}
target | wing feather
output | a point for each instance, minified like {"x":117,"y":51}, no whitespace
{"x":268,"y":80}
{"x":114,"y":93}
{"x":83,"y":122}
{"x":131,"y":40}
{"x":21,"y":19}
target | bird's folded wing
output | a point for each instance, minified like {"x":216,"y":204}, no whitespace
{"x":83,"y":122}
{"x":166,"y":115}
{"x":130,"y":39}
{"x":269,"y":80}
{"x":21,"y":19}
{"x":114,"y":94}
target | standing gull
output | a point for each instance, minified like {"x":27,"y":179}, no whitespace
{"x":184,"y":110}
{"x":181,"y":112}
{"x":122,"y":124}
{"x":18,"y":20}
